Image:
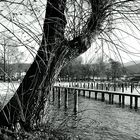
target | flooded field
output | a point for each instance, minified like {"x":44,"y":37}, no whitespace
{"x":108,"y":122}
{"x":111,"y":122}
{"x":104,"y":121}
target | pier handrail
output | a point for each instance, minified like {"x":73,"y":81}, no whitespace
{"x":100,"y":91}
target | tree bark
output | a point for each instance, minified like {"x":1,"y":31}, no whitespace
{"x":53,"y":53}
{"x":42,"y":73}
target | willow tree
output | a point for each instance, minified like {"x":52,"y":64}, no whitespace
{"x":69,"y":28}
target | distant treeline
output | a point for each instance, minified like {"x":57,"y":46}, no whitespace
{"x":76,"y":70}
{"x":14,"y":70}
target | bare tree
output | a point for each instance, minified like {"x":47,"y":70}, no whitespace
{"x":9,"y":53}
{"x":69,"y":28}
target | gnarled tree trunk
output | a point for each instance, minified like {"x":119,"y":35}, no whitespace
{"x":55,"y":50}
{"x":53,"y":53}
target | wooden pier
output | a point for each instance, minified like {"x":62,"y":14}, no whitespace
{"x":105,"y":86}
{"x":86,"y":92}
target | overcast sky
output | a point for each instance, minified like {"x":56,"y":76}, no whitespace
{"x":125,"y":35}
{"x":126,"y":42}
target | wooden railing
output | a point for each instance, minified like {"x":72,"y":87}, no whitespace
{"x":94,"y":92}
{"x":102,"y":85}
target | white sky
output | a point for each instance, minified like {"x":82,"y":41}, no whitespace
{"x":126,"y":37}
{"x":128,"y":45}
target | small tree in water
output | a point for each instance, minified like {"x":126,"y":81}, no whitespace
{"x":69,"y":28}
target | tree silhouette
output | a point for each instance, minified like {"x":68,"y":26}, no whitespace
{"x":69,"y":28}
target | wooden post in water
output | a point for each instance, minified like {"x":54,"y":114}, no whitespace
{"x":103,"y":97}
{"x":59,"y":96}
{"x":88,"y":85}
{"x":75,"y":101}
{"x":84,"y":85}
{"x":95,"y":95}
{"x":131,"y":87}
{"x":136,"y":102}
{"x":131,"y":101}
{"x":112,"y":98}
{"x":120,"y":100}
{"x":89,"y":94}
{"x":109,"y":98}
{"x":123,"y":100}
{"x":66,"y":98}
{"x":102,"y":86}
{"x":97,"y":86}
{"x":91,"y":85}
{"x":84,"y":94}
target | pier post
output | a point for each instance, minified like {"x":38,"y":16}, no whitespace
{"x":88,"y":85}
{"x":109,"y":98}
{"x":84,"y":94}
{"x":89,"y":94}
{"x":102,"y":86}
{"x":91,"y":85}
{"x":112,"y":100}
{"x":123,"y":100}
{"x":84,"y":85}
{"x":136,"y":102}
{"x":75,"y":101}
{"x":95,"y":95}
{"x":132,"y":87}
{"x":120,"y":100}
{"x":131,"y":101}
{"x":66,"y":98}
{"x":97,"y":86}
{"x":103,"y":97}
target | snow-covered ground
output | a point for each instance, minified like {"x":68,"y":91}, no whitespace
{"x":7,"y":90}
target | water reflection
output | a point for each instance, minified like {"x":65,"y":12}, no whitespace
{"x":96,"y":120}
{"x":112,"y":123}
